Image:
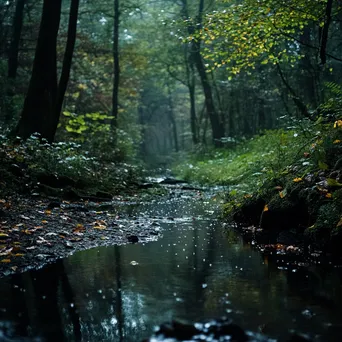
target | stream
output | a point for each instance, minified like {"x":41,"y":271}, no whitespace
{"x":199,"y":269}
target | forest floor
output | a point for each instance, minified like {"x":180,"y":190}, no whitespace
{"x":36,"y":231}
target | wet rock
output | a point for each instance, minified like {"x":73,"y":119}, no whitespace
{"x":16,"y":170}
{"x":172,"y":181}
{"x":52,"y":205}
{"x":104,"y":195}
{"x":132,"y":238}
{"x":54,"y":181}
{"x":213,"y":331}
{"x":250,"y":212}
{"x":68,"y":244}
{"x":146,"y":185}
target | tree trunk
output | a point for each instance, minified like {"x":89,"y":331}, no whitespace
{"x":173,"y":121}
{"x":39,"y":106}
{"x":116,"y":79}
{"x":191,"y":87}
{"x":69,"y":51}
{"x":216,"y":126}
{"x":195,"y":53}
{"x":325,"y":31}
{"x":297,"y":101}
{"x":14,"y":47}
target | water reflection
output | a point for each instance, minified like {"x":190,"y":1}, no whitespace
{"x":196,"y":271}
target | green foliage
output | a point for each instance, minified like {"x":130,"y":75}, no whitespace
{"x":332,"y":107}
{"x":244,"y":34}
{"x":250,"y":164}
{"x":64,"y":159}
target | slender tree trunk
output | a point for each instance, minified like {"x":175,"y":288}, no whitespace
{"x":173,"y":121}
{"x":325,"y":31}
{"x":297,"y":101}
{"x":116,"y":79}
{"x":14,"y":47}
{"x":39,"y":106}
{"x":216,"y":125}
{"x":67,"y":61}
{"x":190,"y":75}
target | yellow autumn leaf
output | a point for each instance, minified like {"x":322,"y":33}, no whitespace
{"x":297,"y":180}
{"x":338,"y":123}
{"x":6,"y":260}
{"x":265,"y":208}
{"x":44,"y":221}
{"x":337,"y":141}
{"x":100,"y":226}
{"x":339,"y":224}
{"x":328,"y":195}
{"x":281,"y":194}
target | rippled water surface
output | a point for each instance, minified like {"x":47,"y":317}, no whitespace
{"x":197,"y":270}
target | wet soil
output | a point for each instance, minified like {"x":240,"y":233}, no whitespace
{"x":36,"y":231}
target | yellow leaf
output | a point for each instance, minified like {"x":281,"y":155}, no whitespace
{"x":338,"y":123}
{"x":281,"y":194}
{"x":336,"y":141}
{"x":44,"y":221}
{"x":6,"y":260}
{"x":339,"y":224}
{"x":100,"y":227}
{"x":48,"y":212}
{"x":297,"y":180}
{"x":328,"y":195}
{"x":265,"y":208}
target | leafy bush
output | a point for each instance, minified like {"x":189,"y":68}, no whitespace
{"x":36,"y":157}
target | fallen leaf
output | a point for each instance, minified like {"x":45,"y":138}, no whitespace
{"x":24,"y":217}
{"x":265,"y":208}
{"x":6,"y":260}
{"x":297,"y":180}
{"x":282,"y":194}
{"x":6,"y":252}
{"x":19,"y":255}
{"x":79,"y":228}
{"x":14,"y":268}
{"x":339,"y":224}
{"x":44,"y":221}
{"x":333,"y":182}
{"x":337,"y":141}
{"x":48,"y":212}
{"x":100,"y":227}
{"x":328,"y":195}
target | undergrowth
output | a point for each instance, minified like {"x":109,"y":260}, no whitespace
{"x":24,"y":164}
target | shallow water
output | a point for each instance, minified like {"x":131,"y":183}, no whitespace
{"x":197,"y":270}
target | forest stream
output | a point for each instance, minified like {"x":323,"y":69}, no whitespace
{"x":199,"y":269}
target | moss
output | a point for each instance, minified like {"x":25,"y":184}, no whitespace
{"x":327,"y":218}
